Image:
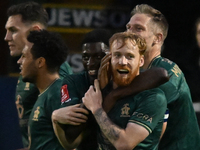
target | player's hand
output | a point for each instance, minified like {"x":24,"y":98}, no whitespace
{"x":72,"y":115}
{"x":93,"y":98}
{"x":104,"y":73}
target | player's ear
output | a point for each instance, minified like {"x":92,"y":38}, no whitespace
{"x":158,"y":38}
{"x":41,"y":62}
{"x":35,"y":28}
{"x":142,"y":60}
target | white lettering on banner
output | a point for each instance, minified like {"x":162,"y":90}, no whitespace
{"x":53,"y":17}
{"x":100,"y":20}
{"x":82,"y":18}
{"x":72,"y":17}
{"x":64,"y":17}
{"x":75,"y":61}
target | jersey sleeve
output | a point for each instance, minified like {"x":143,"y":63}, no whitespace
{"x":152,"y":106}
{"x":69,"y":93}
{"x":65,"y":70}
{"x":73,"y":89}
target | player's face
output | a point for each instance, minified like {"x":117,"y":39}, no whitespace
{"x":125,"y":63}
{"x":16,"y":34}
{"x":198,"y":35}
{"x":28,"y":64}
{"x":140,"y":24}
{"x":91,"y":57}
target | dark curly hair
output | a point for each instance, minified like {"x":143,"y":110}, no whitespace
{"x":31,"y":12}
{"x":97,"y":35}
{"x":49,"y":45}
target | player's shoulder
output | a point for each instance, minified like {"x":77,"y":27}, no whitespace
{"x":75,"y":78}
{"x":55,"y":86}
{"x":25,"y":86}
{"x":165,"y":63}
{"x":65,"y":69}
{"x":171,"y":67}
{"x":53,"y":91}
{"x":153,"y":96}
{"x":152,"y":93}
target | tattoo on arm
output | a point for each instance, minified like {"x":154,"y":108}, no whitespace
{"x":110,"y":130}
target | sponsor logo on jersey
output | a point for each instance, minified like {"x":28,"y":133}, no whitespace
{"x":64,"y":94}
{"x":176,"y":70}
{"x":143,"y":116}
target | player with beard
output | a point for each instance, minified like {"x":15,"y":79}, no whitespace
{"x":135,"y":122}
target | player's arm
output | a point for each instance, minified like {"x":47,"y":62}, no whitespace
{"x":127,"y":138}
{"x":62,"y":139}
{"x":69,"y":117}
{"x":148,"y":79}
{"x":165,"y":123}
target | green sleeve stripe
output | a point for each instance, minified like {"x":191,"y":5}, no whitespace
{"x":145,"y":126}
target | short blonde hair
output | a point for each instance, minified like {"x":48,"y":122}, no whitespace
{"x":158,"y":20}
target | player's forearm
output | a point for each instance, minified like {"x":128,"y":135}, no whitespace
{"x":72,"y":132}
{"x":110,"y":130}
{"x":61,"y":135}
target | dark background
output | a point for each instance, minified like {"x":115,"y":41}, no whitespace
{"x":181,"y":15}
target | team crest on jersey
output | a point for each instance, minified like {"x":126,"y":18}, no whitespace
{"x":64,"y":94}
{"x":36,"y":114}
{"x":27,"y":86}
{"x":20,"y":107}
{"x":125,"y":111}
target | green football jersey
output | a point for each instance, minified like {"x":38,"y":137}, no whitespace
{"x":146,"y":109}
{"x":26,"y":96}
{"x":182,"y":131}
{"x":73,"y":89}
{"x":41,"y":133}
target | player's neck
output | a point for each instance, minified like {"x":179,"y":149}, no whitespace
{"x":45,"y":81}
{"x":149,"y":56}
